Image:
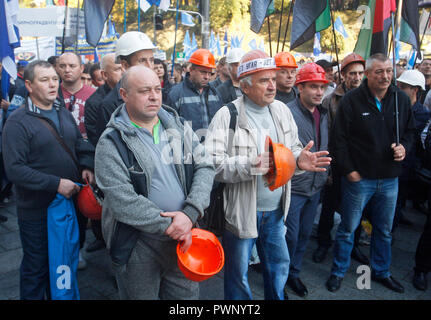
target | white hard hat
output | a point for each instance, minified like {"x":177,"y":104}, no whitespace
{"x":234,"y":55}
{"x":414,"y":78}
{"x":131,"y":42}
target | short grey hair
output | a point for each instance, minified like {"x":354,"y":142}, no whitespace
{"x":375,"y":57}
{"x":246,"y":80}
{"x":106,"y":59}
{"x":29,"y":69}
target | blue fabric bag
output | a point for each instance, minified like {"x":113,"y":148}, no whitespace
{"x":63,"y":249}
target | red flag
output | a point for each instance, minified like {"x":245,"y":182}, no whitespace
{"x":382,"y":24}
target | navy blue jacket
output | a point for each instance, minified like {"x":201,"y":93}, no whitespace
{"x":35,"y":161}
{"x":192,"y":105}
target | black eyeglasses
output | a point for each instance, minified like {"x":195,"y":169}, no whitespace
{"x":72,"y":101}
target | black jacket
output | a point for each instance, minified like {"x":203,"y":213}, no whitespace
{"x":226,"y":91}
{"x":192,"y":105}
{"x":92,"y":112}
{"x":35,"y":161}
{"x":363,"y":135}
{"x":108,"y":105}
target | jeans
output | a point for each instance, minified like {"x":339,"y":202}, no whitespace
{"x":34,"y":271}
{"x":383,"y":196}
{"x":299,"y":225}
{"x":273,"y":254}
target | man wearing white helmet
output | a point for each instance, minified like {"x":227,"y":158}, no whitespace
{"x":412,"y":82}
{"x":133,"y":48}
{"x":229,"y":90}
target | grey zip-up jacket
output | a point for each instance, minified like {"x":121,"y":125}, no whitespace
{"x":122,"y":203}
{"x":233,"y":167}
{"x":309,"y":183}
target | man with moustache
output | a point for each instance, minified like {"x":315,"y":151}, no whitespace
{"x":369,"y":160}
{"x":352,"y":71}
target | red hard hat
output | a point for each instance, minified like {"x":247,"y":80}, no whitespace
{"x":204,"y":258}
{"x":255,"y":61}
{"x":203,"y":57}
{"x":283,"y":166}
{"x":89,"y":202}
{"x":350,"y":58}
{"x":285,"y":59}
{"x":311,"y":72}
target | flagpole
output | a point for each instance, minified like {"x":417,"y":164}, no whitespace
{"x":279,"y":26}
{"x":269,"y":32}
{"x":422,"y":39}
{"x":77,"y":29}
{"x":64,"y":27}
{"x":287,"y":24}
{"x":139,"y":15}
{"x":125,"y":18}
{"x":175,"y":40}
{"x":397,"y":125}
{"x":335,"y":41}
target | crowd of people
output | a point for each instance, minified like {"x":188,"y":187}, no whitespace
{"x":158,"y":139}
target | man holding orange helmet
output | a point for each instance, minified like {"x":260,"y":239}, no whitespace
{"x":195,"y":98}
{"x":253,"y":213}
{"x":286,"y":76}
{"x":312,"y":121}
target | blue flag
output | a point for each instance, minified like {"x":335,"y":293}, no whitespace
{"x":9,"y":40}
{"x":339,"y":26}
{"x":316,"y":46}
{"x":213,"y":43}
{"x":187,"y":19}
{"x":187,"y":45}
{"x":226,"y":42}
{"x":218,"y":46}
{"x":411,"y":62}
{"x":194,"y":44}
{"x":96,"y":12}
{"x":262,"y":46}
{"x":252,"y":44}
{"x":111,"y":29}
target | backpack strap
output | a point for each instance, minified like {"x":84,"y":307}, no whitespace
{"x":232,"y":124}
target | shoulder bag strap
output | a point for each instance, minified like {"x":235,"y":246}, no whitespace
{"x":60,"y":141}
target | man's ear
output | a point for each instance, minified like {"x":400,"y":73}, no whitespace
{"x":123,"y":94}
{"x":27,"y":84}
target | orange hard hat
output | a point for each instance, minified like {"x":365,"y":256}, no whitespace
{"x":203,"y":57}
{"x":89,"y":202}
{"x":350,"y":58}
{"x":285,"y":59}
{"x":311,"y":72}
{"x":255,"y":61}
{"x":283,"y":166}
{"x":204,"y":258}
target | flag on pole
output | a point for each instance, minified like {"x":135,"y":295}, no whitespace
{"x":213,"y":43}
{"x":339,"y":26}
{"x":226,"y":43}
{"x":258,"y":10}
{"x":316,"y":45}
{"x":411,"y":62}
{"x":187,"y":45}
{"x":252,"y":44}
{"x":218,"y":46}
{"x":9,"y":40}
{"x":146,"y":4}
{"x":261,"y":46}
{"x":96,"y":12}
{"x":187,"y":19}
{"x":373,"y":37}
{"x":409,"y":29}
{"x":309,"y":17}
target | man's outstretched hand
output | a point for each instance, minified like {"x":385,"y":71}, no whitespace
{"x":313,"y":161}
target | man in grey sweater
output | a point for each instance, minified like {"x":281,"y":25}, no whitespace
{"x":151,"y":205}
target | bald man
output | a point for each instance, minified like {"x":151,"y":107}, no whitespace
{"x":72,"y":90}
{"x":144,"y":216}
{"x":111,"y":73}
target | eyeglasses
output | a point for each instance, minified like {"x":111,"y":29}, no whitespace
{"x":72,"y":101}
